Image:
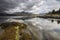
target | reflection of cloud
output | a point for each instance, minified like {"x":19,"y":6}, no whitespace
{"x":43,"y":23}
{"x":35,"y":6}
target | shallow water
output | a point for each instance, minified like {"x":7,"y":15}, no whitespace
{"x":43,"y":29}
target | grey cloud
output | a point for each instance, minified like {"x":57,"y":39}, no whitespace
{"x":57,"y":0}
{"x":35,"y":6}
{"x":27,"y":5}
{"x":7,"y":4}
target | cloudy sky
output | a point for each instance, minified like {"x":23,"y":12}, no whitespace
{"x":34,"y":6}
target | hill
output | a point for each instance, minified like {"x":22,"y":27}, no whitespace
{"x":53,"y":13}
{"x":16,"y":14}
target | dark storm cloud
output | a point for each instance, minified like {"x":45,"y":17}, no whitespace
{"x":35,"y":6}
{"x":57,"y":0}
{"x":4,"y":5}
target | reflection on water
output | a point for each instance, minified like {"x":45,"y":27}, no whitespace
{"x":43,"y":29}
{"x":45,"y":23}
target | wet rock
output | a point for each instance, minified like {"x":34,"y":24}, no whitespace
{"x":58,"y":22}
{"x":10,"y":31}
{"x":52,"y":20}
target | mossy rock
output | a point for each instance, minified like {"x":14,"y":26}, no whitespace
{"x":10,"y":31}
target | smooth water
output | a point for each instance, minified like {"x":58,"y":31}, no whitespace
{"x":43,"y":29}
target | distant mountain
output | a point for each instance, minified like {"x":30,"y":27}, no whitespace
{"x":22,"y":14}
{"x":5,"y":14}
{"x":16,"y":14}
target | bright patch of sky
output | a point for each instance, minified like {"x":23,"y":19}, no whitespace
{"x":35,"y":6}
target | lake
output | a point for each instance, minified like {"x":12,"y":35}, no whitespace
{"x":41,"y":27}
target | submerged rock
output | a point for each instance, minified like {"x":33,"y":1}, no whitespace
{"x":10,"y":31}
{"x":34,"y":29}
{"x":24,"y":31}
